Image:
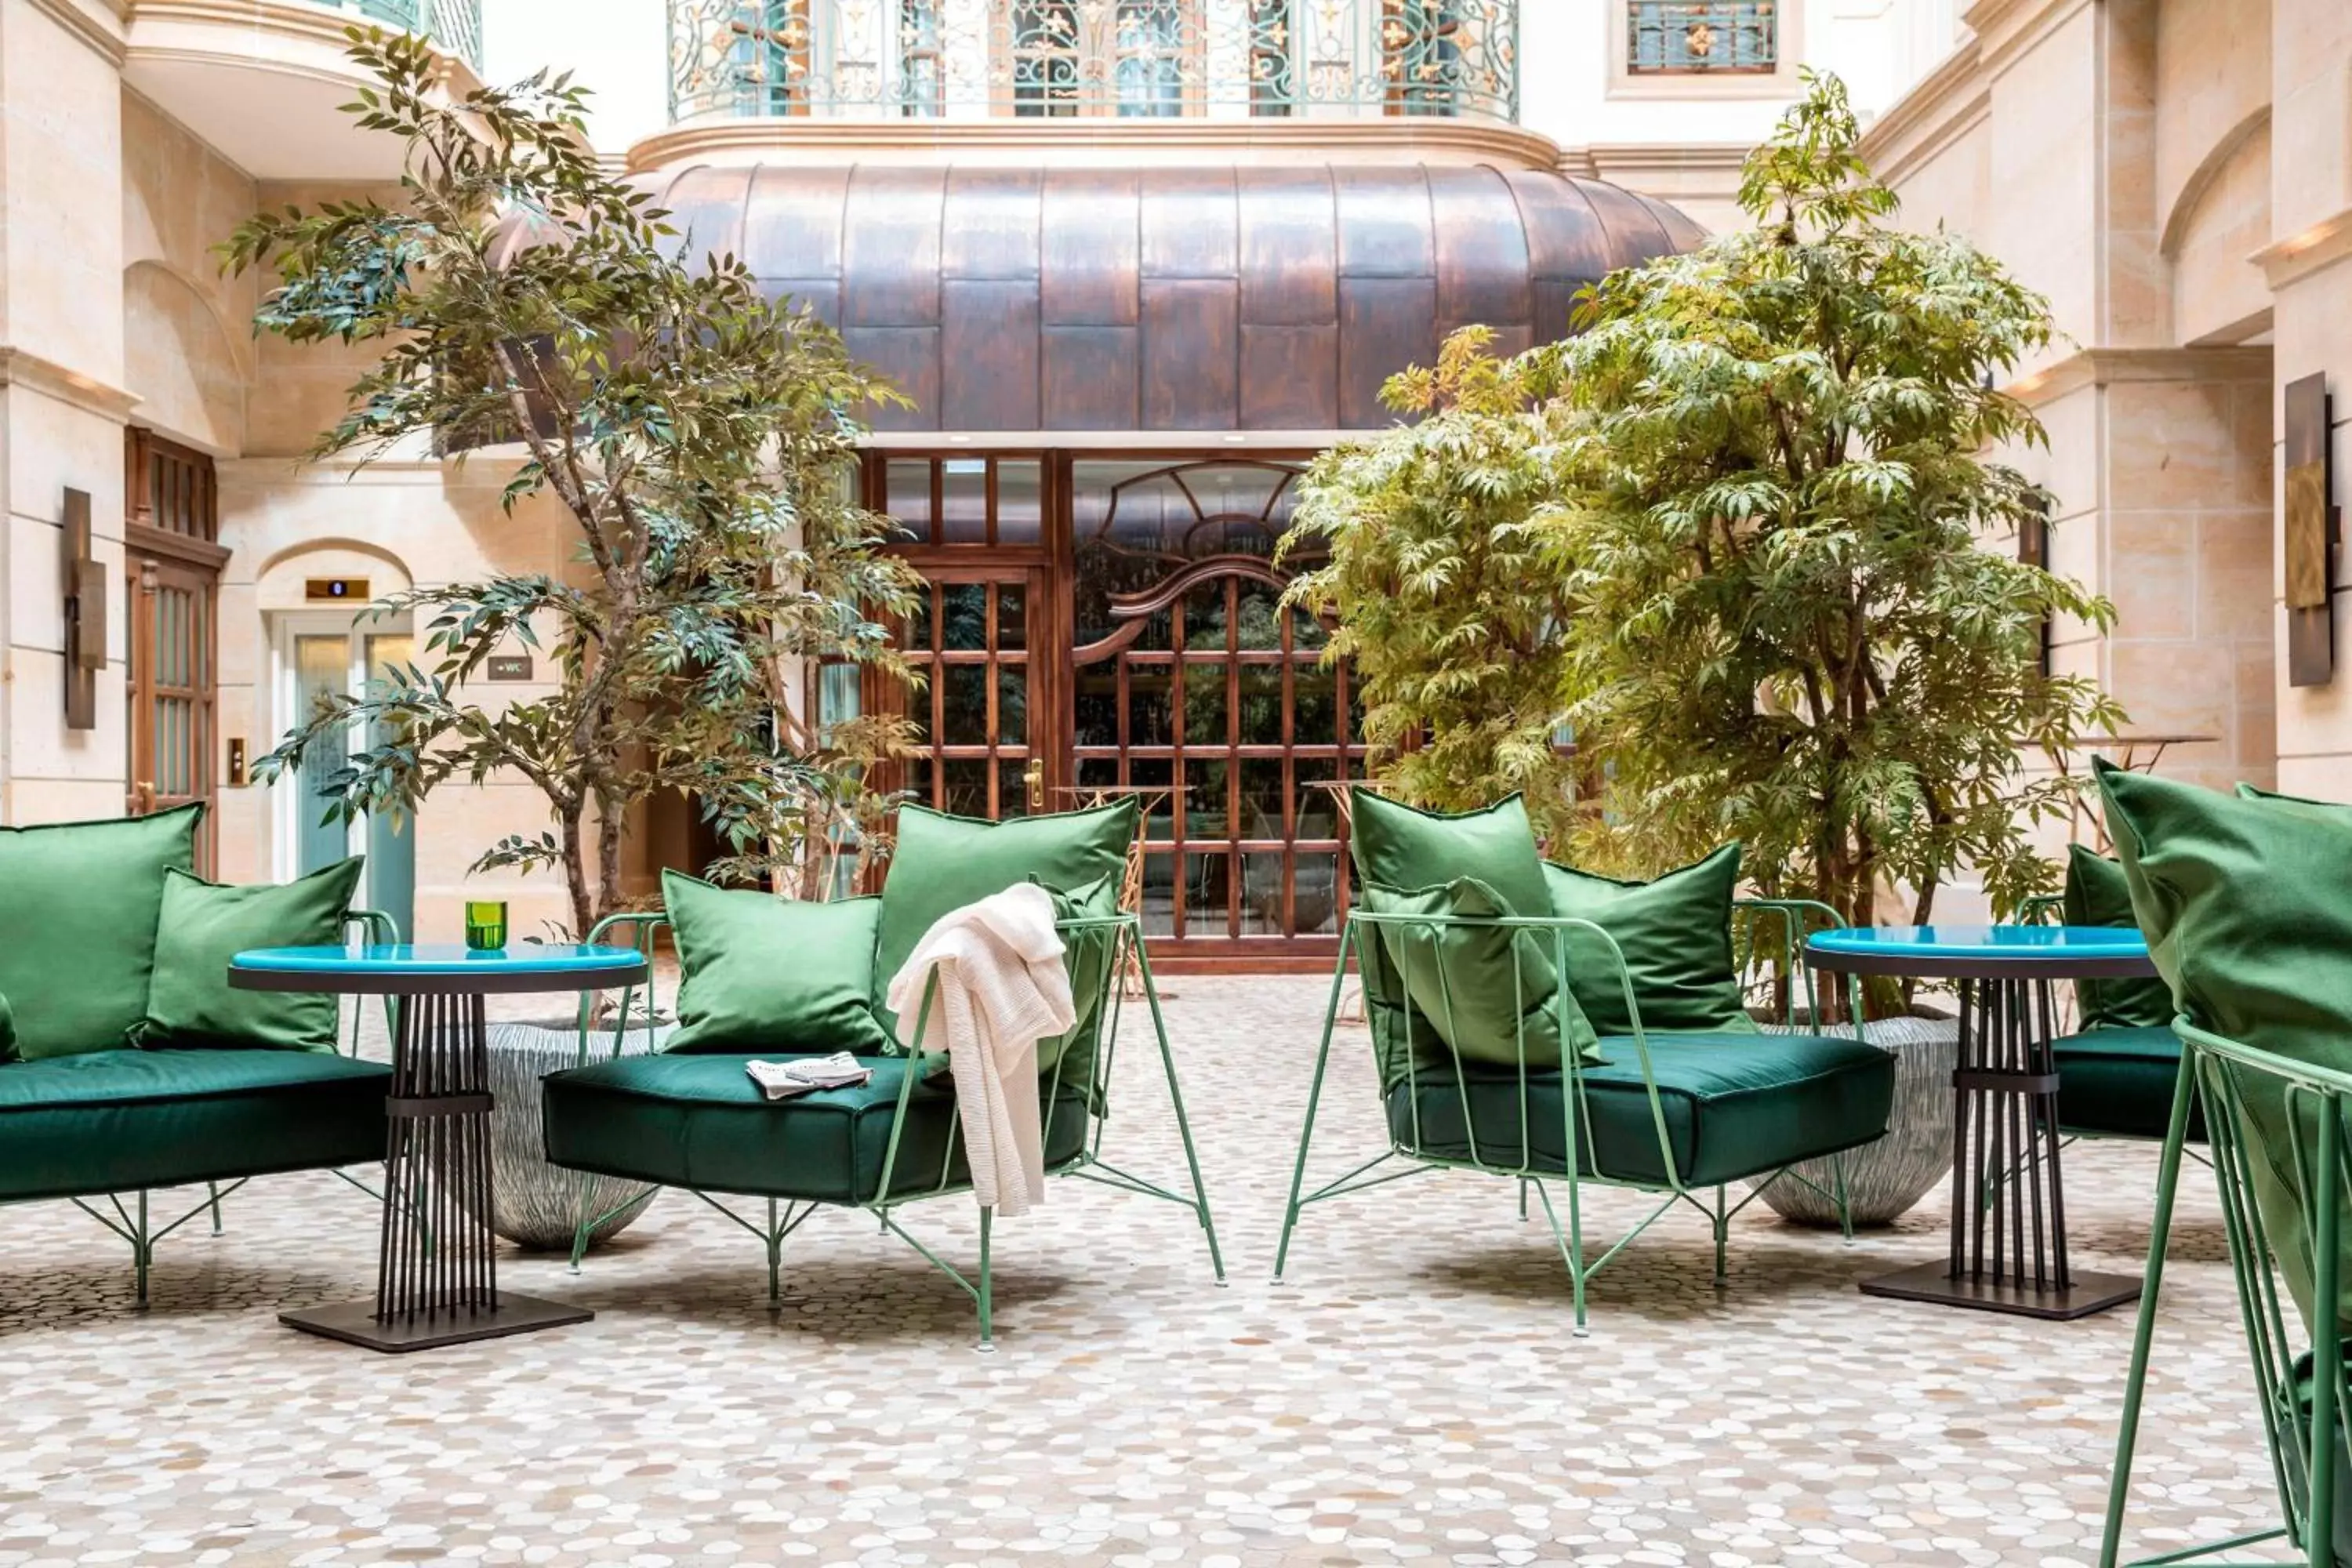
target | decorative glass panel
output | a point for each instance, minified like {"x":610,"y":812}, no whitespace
{"x":963,"y":715}
{"x":1315,"y":705}
{"x":963,"y":500}
{"x":1262,"y":894}
{"x":1260,"y":714}
{"x":1314,"y":893}
{"x":1146,"y":705}
{"x":908,"y":483}
{"x":1020,"y":501}
{"x":1159,"y":895}
{"x":964,"y":611}
{"x":1012,"y":617}
{"x":1011,"y":705}
{"x":1205,"y":704}
{"x":966,"y":779}
{"x":1695,"y":37}
{"x":1206,"y":781}
{"x":1262,"y":796}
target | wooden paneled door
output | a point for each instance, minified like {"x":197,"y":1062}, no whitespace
{"x":987,"y":637}
{"x":173,"y":558}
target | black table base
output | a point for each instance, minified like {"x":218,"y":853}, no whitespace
{"x":2008,"y":1248}
{"x":437,"y":1270}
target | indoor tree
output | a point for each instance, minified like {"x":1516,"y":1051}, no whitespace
{"x":1796,"y":615}
{"x":700,"y":437}
{"x":1441,"y":596}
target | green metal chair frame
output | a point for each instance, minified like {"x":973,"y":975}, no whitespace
{"x":1124,"y":934}
{"x":2307,"y":1449}
{"x":134,"y":1224}
{"x":1793,"y":915}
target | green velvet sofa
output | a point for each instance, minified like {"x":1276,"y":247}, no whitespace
{"x":764,"y":978}
{"x":121,"y":1072}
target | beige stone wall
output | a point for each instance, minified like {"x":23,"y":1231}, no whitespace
{"x":2119,"y":156}
{"x":2309,"y":268}
{"x":61,"y":399}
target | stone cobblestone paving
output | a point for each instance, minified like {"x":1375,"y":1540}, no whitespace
{"x":1412,"y":1395}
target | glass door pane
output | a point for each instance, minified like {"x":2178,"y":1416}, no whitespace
{"x":323,"y":671}
{"x":391,"y":851}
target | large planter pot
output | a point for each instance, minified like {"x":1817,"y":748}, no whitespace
{"x":1885,"y":1179}
{"x":538,"y":1206}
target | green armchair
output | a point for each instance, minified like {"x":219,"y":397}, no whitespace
{"x":1672,"y":1112}
{"x":696,"y":1121}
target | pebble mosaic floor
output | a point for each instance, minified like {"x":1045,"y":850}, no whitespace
{"x":1410,"y":1396}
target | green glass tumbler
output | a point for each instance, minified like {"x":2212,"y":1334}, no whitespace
{"x":486,"y":925}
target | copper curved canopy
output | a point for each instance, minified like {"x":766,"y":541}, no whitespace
{"x":1235,"y":298}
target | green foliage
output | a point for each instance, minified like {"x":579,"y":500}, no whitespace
{"x":701,"y":437}
{"x":1441,"y":593}
{"x":1797,"y":619}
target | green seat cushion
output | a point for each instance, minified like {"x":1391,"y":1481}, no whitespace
{"x":699,"y":1121}
{"x":1402,"y":846}
{"x":758,"y":972}
{"x":942,"y":863}
{"x":114,"y":1121}
{"x":190,"y":1005}
{"x":2118,"y":1083}
{"x":1735,"y":1105}
{"x":2099,"y":894}
{"x":2244,"y":905}
{"x":77,"y":926}
{"x":1489,"y":994}
{"x":1676,"y":934}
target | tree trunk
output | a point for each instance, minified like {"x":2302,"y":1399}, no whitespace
{"x":575,"y":874}
{"x":610,"y":822}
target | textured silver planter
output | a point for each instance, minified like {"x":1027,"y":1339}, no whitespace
{"x":538,"y":1205}
{"x":1886,"y":1179}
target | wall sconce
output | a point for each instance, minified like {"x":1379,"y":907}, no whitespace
{"x":2311,"y":528}
{"x":84,"y":618}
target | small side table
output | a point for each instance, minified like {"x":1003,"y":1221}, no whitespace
{"x":2009,"y":1202}
{"x":437,"y":1270}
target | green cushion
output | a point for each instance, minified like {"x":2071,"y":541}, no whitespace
{"x":762,"y":973}
{"x":699,"y":1121}
{"x":1492,"y":995}
{"x":1676,"y":934}
{"x":205,"y":924}
{"x":1735,"y":1105}
{"x":77,"y":926}
{"x":1402,"y":846}
{"x":2099,"y":894}
{"x":115,"y":1122}
{"x":2244,"y":906}
{"x":2118,"y":1083}
{"x":941,"y":863}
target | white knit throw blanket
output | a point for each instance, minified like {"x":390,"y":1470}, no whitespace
{"x":1002,"y":988}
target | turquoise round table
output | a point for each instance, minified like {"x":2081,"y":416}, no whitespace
{"x":2008,"y":1245}
{"x":436,"y":1268}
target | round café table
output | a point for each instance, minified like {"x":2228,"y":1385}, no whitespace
{"x":2008,"y":1251}
{"x":436,"y":1272}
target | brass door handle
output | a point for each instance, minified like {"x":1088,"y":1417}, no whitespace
{"x":1035,"y":776}
{"x":144,"y":792}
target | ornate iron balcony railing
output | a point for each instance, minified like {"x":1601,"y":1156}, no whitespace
{"x":974,"y":59}
{"x":454,"y":25}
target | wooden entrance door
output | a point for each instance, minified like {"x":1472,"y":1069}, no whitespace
{"x":988,"y":637}
{"x":174,"y":559}
{"x":985,"y":707}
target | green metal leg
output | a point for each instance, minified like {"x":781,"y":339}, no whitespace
{"x":142,"y":1250}
{"x":214,"y":1189}
{"x":986,"y":1294}
{"x":1183,"y":1123}
{"x":2167,"y":1181}
{"x":1722,"y":1219}
{"x":1845,"y":1206}
{"x":775,"y":1239}
{"x":581,"y":1231}
{"x":1523,"y":1200}
{"x":1314,"y":1098}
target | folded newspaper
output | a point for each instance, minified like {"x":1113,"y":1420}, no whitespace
{"x":807,"y":1075}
